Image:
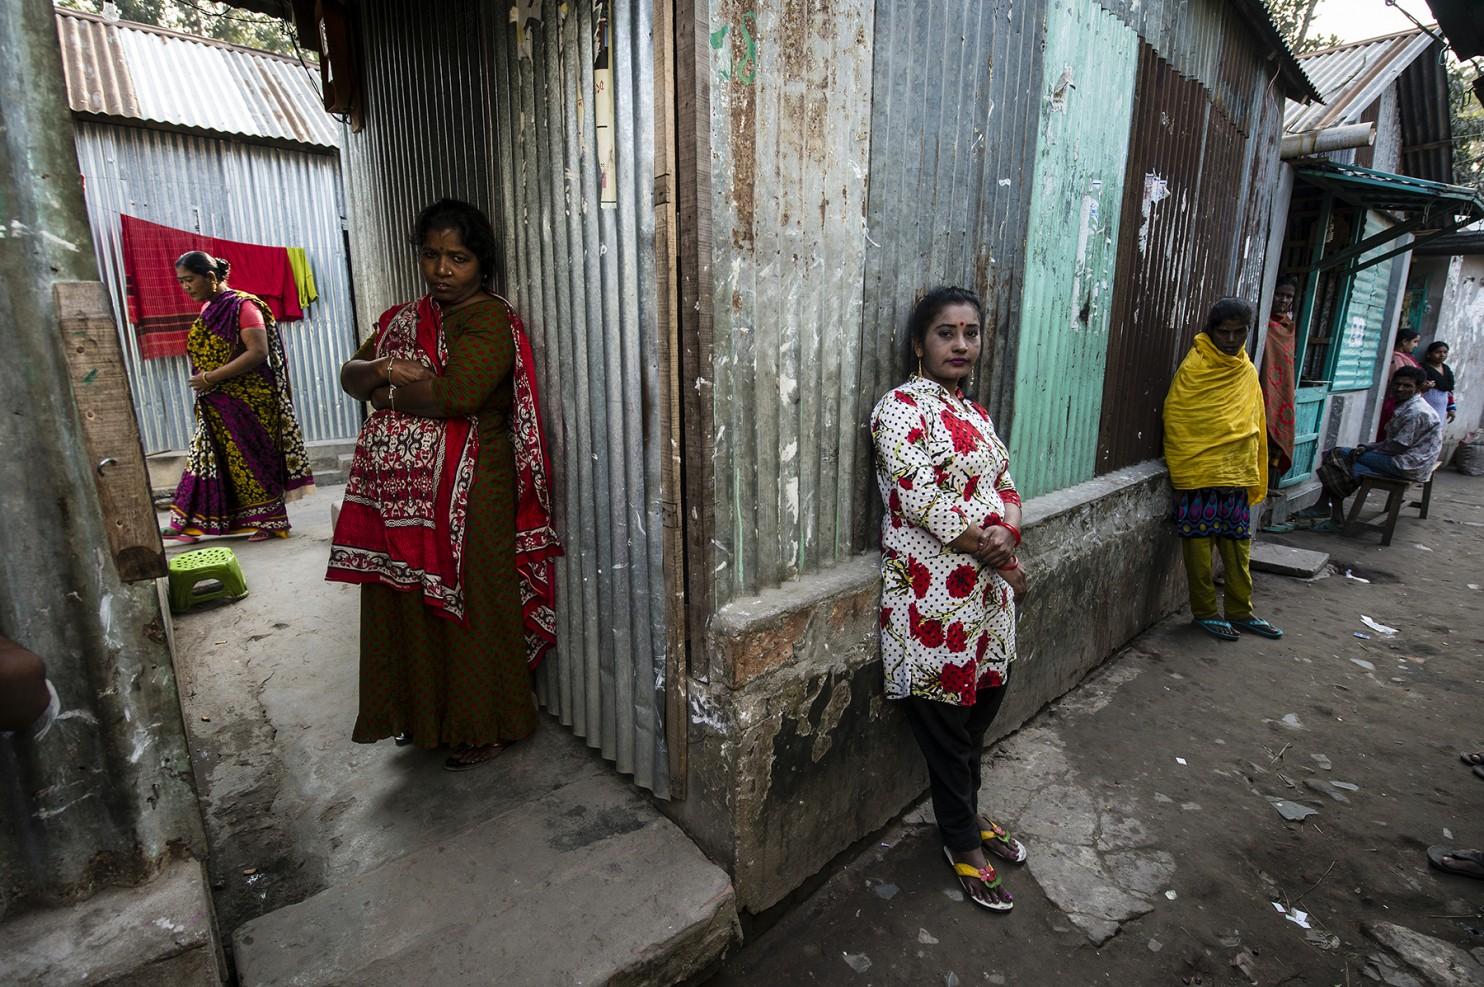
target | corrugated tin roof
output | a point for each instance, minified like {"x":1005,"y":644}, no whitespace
{"x":1352,"y":77}
{"x":138,"y":72}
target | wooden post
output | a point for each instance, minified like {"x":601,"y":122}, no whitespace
{"x":677,"y":675}
{"x":95,"y":363}
{"x":691,"y":99}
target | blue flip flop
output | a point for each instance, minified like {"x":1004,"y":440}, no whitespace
{"x":1220,"y":629}
{"x":1256,"y":625}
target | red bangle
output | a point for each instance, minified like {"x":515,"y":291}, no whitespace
{"x":1009,"y":527}
{"x":1014,"y":564}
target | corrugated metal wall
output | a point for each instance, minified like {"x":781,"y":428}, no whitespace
{"x":583,"y":275}
{"x":1363,"y":329}
{"x":241,"y":192}
{"x":501,"y":113}
{"x":1086,"y":95}
{"x":790,"y":154}
{"x":1180,"y":215}
{"x":429,"y":133}
{"x":952,"y":145}
{"x":1205,"y":40}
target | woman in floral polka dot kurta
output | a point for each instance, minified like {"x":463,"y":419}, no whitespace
{"x":950,"y":577}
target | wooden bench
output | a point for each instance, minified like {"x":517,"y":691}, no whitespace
{"x":1396,"y":494}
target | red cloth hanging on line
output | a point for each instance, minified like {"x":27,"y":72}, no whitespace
{"x":162,"y":313}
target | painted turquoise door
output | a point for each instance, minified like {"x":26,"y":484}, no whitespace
{"x":1308,"y":414}
{"x":1076,"y":198}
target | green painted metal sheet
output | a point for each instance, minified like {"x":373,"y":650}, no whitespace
{"x":1087,"y":103}
{"x":1308,"y":412}
{"x":1363,"y":328}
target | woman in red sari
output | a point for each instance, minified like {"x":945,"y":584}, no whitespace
{"x":1277,"y":379}
{"x":446,"y":522}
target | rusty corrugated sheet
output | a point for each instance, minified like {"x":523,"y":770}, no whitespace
{"x":1180,"y":213}
{"x":790,"y":153}
{"x":151,"y":75}
{"x":950,"y":192}
{"x":1260,"y":182}
{"x":1197,"y":38}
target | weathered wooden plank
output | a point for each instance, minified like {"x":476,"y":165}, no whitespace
{"x":667,"y":256}
{"x":693,"y":243}
{"x":110,"y":432}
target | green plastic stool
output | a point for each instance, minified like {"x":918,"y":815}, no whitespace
{"x":189,"y":569}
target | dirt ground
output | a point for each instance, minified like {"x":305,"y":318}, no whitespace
{"x":1145,"y":797}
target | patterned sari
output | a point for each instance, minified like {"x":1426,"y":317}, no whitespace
{"x":247,"y":455}
{"x":406,"y":511}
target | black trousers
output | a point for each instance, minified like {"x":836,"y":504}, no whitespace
{"x":952,"y":740}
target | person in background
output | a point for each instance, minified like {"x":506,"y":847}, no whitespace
{"x":1438,"y":392}
{"x":950,"y":576}
{"x":1401,"y":356}
{"x":1215,"y":448}
{"x":447,"y":517}
{"x":1414,"y":440}
{"x":247,"y":455}
{"x":1277,"y":378}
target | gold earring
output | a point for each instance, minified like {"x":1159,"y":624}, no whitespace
{"x":919,"y":368}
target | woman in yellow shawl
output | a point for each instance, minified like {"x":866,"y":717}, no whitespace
{"x":1216,"y":450}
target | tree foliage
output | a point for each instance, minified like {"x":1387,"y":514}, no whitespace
{"x":203,"y":18}
{"x":1294,"y":19}
{"x":1468,"y":124}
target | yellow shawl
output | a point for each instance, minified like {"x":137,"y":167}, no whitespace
{"x":1215,"y":428}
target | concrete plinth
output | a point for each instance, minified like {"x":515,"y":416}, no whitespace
{"x":795,"y":753}
{"x":160,"y":934}
{"x":587,"y":885}
{"x":1284,"y":560}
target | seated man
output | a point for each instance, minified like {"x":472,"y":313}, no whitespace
{"x":1414,"y":440}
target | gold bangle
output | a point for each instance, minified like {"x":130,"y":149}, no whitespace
{"x":389,"y":361}
{"x":391,"y":396}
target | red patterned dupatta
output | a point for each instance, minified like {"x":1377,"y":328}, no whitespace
{"x":407,"y":496}
{"x":536,"y":545}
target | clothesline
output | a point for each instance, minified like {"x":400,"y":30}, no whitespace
{"x":160,"y":311}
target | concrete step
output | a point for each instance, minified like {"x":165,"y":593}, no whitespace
{"x":1286,"y":560}
{"x":587,"y":884}
{"x":160,"y":933}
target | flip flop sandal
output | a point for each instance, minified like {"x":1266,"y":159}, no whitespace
{"x":1002,"y":844}
{"x":1473,"y":866}
{"x":179,"y":537}
{"x":1256,"y":625}
{"x":1474,"y":758}
{"x":487,"y":754}
{"x":1217,"y":628}
{"x":985,"y":874}
{"x":402,"y":739}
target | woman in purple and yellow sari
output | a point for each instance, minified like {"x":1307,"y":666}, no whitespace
{"x":247,"y":456}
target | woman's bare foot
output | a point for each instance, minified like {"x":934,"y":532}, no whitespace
{"x":465,"y":757}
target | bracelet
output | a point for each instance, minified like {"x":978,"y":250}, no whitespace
{"x":1014,"y":564}
{"x":1001,"y":523}
{"x":389,"y":361}
{"x":391,"y":396}
{"x":206,"y":376}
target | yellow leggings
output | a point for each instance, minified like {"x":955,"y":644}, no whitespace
{"x":1198,"y":573}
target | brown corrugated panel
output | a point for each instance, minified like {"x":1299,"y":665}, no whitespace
{"x":1177,"y":251}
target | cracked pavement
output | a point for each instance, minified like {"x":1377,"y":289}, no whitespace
{"x":1146,"y":797}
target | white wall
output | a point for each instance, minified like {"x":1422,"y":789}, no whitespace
{"x":1460,"y":324}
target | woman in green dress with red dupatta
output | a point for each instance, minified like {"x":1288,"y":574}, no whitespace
{"x":447,"y":520}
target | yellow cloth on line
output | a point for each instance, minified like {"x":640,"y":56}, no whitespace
{"x":303,"y":276}
{"x":1215,"y":427}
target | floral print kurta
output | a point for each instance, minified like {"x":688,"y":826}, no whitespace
{"x":947,"y":620}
